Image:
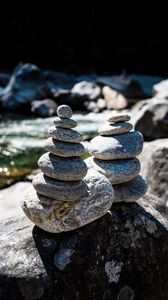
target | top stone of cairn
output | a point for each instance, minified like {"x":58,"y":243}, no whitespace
{"x":64,"y":111}
{"x":119,"y":118}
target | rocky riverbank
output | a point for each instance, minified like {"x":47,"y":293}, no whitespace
{"x":36,"y":93}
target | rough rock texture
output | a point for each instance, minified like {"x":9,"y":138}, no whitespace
{"x":118,"y":147}
{"x":117,"y":171}
{"x":10,"y":206}
{"x":115,"y":128}
{"x":131,"y":190}
{"x":154,"y":161}
{"x":123,"y":256}
{"x":59,"y":190}
{"x":64,"y":148}
{"x":57,"y":216}
{"x":151,"y":118}
{"x":62,"y":168}
{"x":65,"y":135}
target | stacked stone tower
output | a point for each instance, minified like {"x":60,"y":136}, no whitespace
{"x":61,"y":200}
{"x":114,"y":155}
{"x":62,"y":166}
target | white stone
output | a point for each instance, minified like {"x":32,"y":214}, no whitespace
{"x":56,"y":216}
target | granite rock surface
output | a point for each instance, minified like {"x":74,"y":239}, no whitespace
{"x":56,"y":216}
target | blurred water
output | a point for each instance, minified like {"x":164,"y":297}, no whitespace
{"x":21,"y":143}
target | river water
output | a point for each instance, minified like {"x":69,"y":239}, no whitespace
{"x":21,"y":143}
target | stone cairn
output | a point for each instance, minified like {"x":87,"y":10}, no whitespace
{"x":61,"y":200}
{"x":114,"y":155}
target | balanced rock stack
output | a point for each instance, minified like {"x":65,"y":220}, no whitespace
{"x":61,"y":200}
{"x":115,"y":151}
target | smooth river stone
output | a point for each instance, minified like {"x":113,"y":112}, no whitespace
{"x":115,"y":128}
{"x":56,"y":216}
{"x":130,"y":191}
{"x":65,"y":135}
{"x":119,"y":118}
{"x":63,"y":148}
{"x":117,"y":171}
{"x":121,"y":146}
{"x":64,"y":111}
{"x":62,"y":168}
{"x":59,"y":190}
{"x":65,"y":123}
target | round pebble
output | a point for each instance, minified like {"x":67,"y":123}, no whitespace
{"x":117,"y":171}
{"x":121,"y":146}
{"x":119,"y":118}
{"x":115,"y":128}
{"x":61,"y":168}
{"x":65,"y":123}
{"x":65,"y":135}
{"x":64,"y":111}
{"x":59,"y":190}
{"x":64,"y":149}
{"x":130,"y":191}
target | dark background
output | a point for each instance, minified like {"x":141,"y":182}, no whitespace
{"x":82,"y":37}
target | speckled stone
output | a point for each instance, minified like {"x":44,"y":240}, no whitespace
{"x":115,"y":128}
{"x":65,"y":135}
{"x":55,"y":216}
{"x":65,"y":123}
{"x":117,"y":171}
{"x":64,"y":149}
{"x":59,"y":190}
{"x":61,"y":168}
{"x":64,"y":111}
{"x":130,"y":191}
{"x":119,"y":118}
{"x":121,"y":146}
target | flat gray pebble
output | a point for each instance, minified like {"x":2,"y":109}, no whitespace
{"x":59,"y":190}
{"x":121,"y":146}
{"x":65,"y":149}
{"x":117,"y":171}
{"x":130,"y":191}
{"x":65,"y":123}
{"x":65,"y":135}
{"x":119,"y":118}
{"x":61,"y":168}
{"x":115,"y":128}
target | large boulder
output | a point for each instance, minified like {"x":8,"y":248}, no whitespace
{"x":87,"y":90}
{"x":160,"y":90}
{"x":82,"y":93}
{"x":154,"y":167}
{"x":123,"y":255}
{"x":151,"y":118}
{"x":26,"y":84}
{"x":44,"y":108}
{"x":113,"y":99}
{"x":10,"y":206}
